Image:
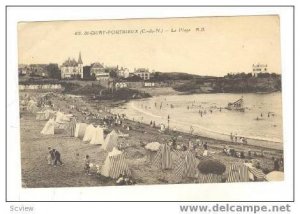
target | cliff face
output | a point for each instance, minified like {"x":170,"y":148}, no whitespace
{"x":226,"y":85}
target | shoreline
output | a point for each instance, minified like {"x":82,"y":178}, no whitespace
{"x":36,"y":174}
{"x":207,"y":133}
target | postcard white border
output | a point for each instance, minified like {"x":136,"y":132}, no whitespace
{"x":277,"y":191}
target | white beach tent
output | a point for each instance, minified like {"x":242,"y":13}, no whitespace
{"x":110,"y":141}
{"x":32,"y":106}
{"x":275,"y":176}
{"x":62,"y":118}
{"x":115,"y":164}
{"x":88,"y":133}
{"x":98,"y":136}
{"x":45,"y":115}
{"x":49,"y":128}
{"x":80,"y":130}
{"x":40,"y":116}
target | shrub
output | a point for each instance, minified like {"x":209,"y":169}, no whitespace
{"x":211,"y":166}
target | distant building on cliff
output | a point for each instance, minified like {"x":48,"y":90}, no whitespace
{"x":99,"y":72}
{"x":123,"y":72}
{"x":143,"y":73}
{"x":259,"y":68}
{"x":72,"y":68}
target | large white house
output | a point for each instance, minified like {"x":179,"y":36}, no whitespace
{"x":259,"y":68}
{"x":72,"y":68}
{"x":143,"y":73}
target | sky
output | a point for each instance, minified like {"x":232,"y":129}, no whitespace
{"x":203,"y":45}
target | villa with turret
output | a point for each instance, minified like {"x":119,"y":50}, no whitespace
{"x":72,"y":68}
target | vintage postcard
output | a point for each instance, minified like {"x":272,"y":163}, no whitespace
{"x":150,"y":101}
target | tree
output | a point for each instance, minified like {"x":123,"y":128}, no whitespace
{"x":86,"y":72}
{"x":113,"y":73}
{"x":53,"y":71}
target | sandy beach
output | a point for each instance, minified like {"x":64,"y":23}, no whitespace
{"x":36,"y":172}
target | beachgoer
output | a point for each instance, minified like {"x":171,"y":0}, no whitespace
{"x":205,"y":146}
{"x":276,"y":164}
{"x":231,"y":137}
{"x":87,"y":165}
{"x":120,"y":180}
{"x":191,"y":130}
{"x":56,"y":157}
{"x":191,"y":145}
{"x":50,"y":156}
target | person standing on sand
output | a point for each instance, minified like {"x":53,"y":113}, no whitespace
{"x":276,"y":164}
{"x":57,"y":157}
{"x":191,"y":130}
{"x":205,"y":146}
{"x":50,"y":156}
{"x":87,"y":165}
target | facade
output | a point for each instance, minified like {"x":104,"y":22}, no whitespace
{"x":102,"y":76}
{"x":259,"y":68}
{"x":97,"y":68}
{"x":72,"y":68}
{"x":123,"y":72}
{"x":99,"y":72}
{"x":143,"y":73}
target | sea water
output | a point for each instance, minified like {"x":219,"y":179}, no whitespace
{"x":261,"y":120}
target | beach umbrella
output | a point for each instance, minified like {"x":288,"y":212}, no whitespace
{"x":275,"y":176}
{"x":153,"y":146}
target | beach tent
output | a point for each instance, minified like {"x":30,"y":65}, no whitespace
{"x":256,"y":174}
{"x":186,"y":167}
{"x":163,"y":158}
{"x":275,"y":176}
{"x":88,"y":134}
{"x":48,"y":128}
{"x":45,"y":115}
{"x":62,"y":118}
{"x":115,"y":164}
{"x":32,"y":106}
{"x":98,"y":136}
{"x":152,"y":149}
{"x":153,"y":146}
{"x":40,"y":116}
{"x":80,"y":130}
{"x":110,"y":141}
{"x":238,"y":173}
{"x":210,"y":178}
{"x":49,"y":113}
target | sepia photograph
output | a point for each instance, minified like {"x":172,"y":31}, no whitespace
{"x":159,"y":101}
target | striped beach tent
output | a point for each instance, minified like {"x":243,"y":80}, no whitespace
{"x":257,"y":174}
{"x":210,"y":178}
{"x":186,"y":167}
{"x":115,"y":164}
{"x":118,"y":166}
{"x":163,"y":157}
{"x":238,"y":173}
